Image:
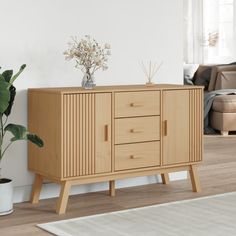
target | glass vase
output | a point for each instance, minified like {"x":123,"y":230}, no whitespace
{"x":88,"y":81}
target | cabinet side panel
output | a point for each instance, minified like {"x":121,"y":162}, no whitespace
{"x":196,"y":124}
{"x":176,"y":120}
{"x":44,"y":119}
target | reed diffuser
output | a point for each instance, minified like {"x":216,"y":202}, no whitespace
{"x":150,"y":71}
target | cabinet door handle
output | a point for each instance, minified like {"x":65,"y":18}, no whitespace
{"x":106,"y":133}
{"x":165,"y":128}
{"x":134,"y":157}
{"x":135,"y":104}
{"x":135,"y":131}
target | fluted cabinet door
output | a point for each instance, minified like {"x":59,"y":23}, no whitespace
{"x":86,"y":134}
{"x":182,"y":126}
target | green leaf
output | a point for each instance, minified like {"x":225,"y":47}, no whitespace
{"x":35,"y":139}
{"x":14,"y":77}
{"x":19,"y":132}
{"x":11,"y":101}
{"x":4,"y":94}
{"x":7,"y":74}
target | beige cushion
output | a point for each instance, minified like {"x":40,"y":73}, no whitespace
{"x":226,"y":80}
{"x":214,"y":73}
{"x":223,"y":121}
{"x":224,"y":103}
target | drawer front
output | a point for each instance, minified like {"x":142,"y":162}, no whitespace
{"x":138,"y":129}
{"x":130,"y":104}
{"x":137,"y":155}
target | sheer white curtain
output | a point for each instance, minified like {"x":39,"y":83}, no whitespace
{"x":219,"y":18}
{"x":209,"y":31}
{"x":193,"y":31}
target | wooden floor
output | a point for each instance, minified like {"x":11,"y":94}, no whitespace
{"x":217,"y":175}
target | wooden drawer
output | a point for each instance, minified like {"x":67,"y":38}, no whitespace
{"x":137,"y":155}
{"x":128,"y":104}
{"x":138,"y":129}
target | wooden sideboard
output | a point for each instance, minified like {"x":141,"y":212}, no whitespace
{"x":114,"y":132}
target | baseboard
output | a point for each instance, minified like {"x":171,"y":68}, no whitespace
{"x":50,"y":190}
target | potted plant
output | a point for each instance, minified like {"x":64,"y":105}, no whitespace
{"x":18,"y":132}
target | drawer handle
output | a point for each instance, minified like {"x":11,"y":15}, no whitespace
{"x":135,"y":131}
{"x":134,"y":157}
{"x":135,"y":105}
{"x":165,"y":128}
{"x":106,"y":133}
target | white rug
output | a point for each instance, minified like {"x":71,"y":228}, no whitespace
{"x":210,"y":216}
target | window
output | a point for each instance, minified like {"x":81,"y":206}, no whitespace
{"x":219,"y":39}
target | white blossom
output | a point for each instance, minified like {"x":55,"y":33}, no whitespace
{"x":88,"y":54}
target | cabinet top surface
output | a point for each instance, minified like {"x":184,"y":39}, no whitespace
{"x":115,"y":88}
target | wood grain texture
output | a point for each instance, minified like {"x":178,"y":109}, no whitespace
{"x":44,"y":119}
{"x":176,"y":120}
{"x":195,"y":124}
{"x":87,"y":134}
{"x":63,"y":198}
{"x":103,"y":133}
{"x":165,"y":178}
{"x":137,"y":155}
{"x":114,"y":88}
{"x":103,"y":136}
{"x":138,"y":129}
{"x":78,"y":135}
{"x":131,"y":104}
{"x":112,"y":190}
{"x":194,"y":178}
{"x":36,"y":189}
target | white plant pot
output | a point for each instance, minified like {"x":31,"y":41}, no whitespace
{"x":6,"y":196}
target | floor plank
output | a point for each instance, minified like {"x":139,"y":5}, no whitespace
{"x":217,"y":175}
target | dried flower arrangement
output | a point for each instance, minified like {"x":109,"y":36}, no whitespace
{"x":150,"y":71}
{"x":89,"y":56}
{"x":213,"y":38}
{"x":210,"y":39}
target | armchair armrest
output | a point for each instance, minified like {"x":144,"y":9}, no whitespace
{"x":226,"y":80}
{"x":215,"y":71}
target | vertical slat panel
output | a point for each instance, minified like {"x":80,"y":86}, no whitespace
{"x":86,"y":134}
{"x":79,"y":135}
{"x":68,"y":135}
{"x":190,"y":123}
{"x":74,"y":136}
{"x":64,"y":138}
{"x":196,"y":123}
{"x":70,"y":114}
{"x":89,"y":134}
{"x":93,"y":133}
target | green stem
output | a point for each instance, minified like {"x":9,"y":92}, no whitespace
{"x":1,"y":136}
{"x":6,"y":148}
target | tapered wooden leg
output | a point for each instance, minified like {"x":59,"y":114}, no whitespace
{"x":165,"y":178}
{"x":112,"y":190}
{"x":63,"y":199}
{"x":36,"y":189}
{"x":194,"y":178}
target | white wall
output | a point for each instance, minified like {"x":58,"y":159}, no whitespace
{"x":37,"y":32}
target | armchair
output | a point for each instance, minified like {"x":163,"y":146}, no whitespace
{"x":223,"y":112}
